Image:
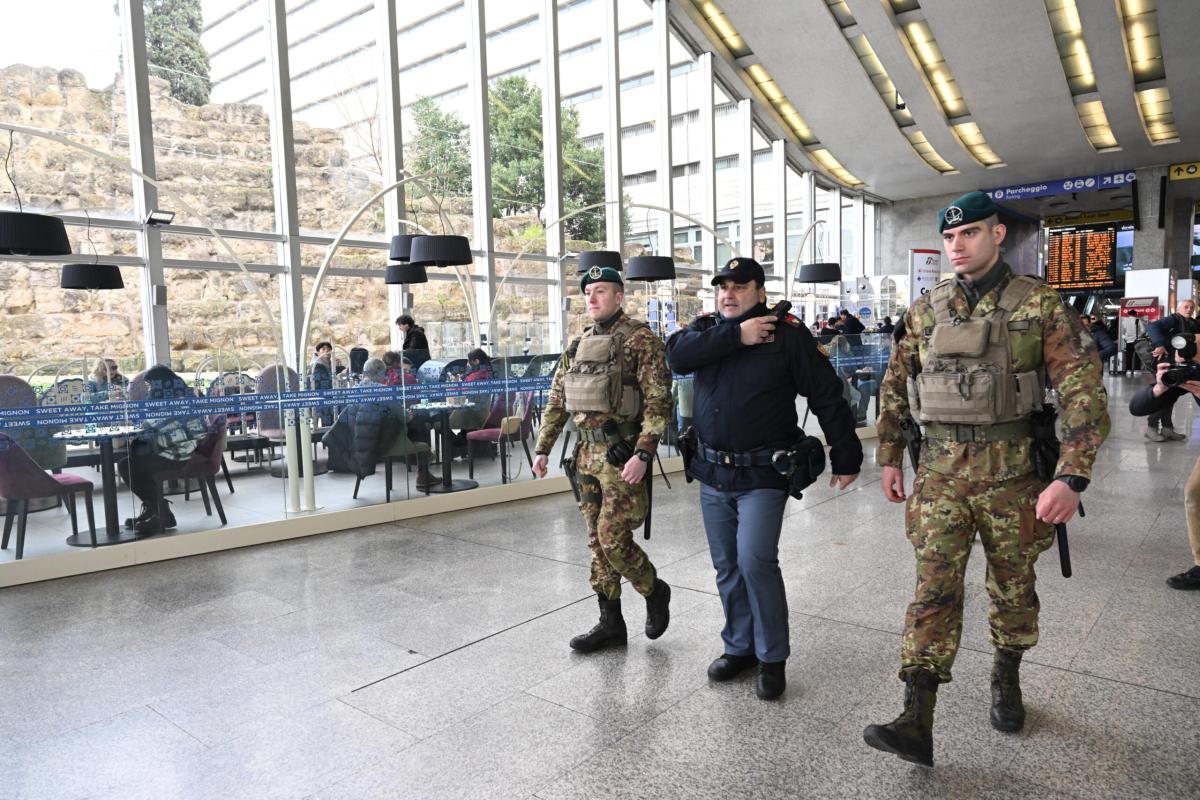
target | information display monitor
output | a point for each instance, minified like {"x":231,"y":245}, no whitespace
{"x":1082,"y":257}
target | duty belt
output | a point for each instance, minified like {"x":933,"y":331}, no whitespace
{"x":753,"y":458}
{"x":628,"y":429}
{"x":999,"y":432}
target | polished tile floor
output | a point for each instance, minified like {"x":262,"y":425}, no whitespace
{"x":429,"y":660}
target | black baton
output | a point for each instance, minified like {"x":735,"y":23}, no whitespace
{"x":1064,"y":552}
{"x":649,"y":499}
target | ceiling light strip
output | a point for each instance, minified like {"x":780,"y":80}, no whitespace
{"x":721,"y":28}
{"x":916,"y":34}
{"x":1081,"y":78}
{"x":1143,"y":53}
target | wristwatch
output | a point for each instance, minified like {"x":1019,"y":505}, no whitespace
{"x":645,"y":456}
{"x":1076,"y":483}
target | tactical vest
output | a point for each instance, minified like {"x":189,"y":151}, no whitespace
{"x":967,"y":377}
{"x":596,"y":380}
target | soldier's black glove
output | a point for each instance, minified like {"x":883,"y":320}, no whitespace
{"x":619,"y":450}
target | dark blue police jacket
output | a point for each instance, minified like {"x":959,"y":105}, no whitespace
{"x":745,"y":396}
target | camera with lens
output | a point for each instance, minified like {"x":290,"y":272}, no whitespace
{"x":1184,"y":346}
{"x":801,"y":464}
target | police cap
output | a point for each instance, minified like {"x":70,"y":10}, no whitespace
{"x":740,"y":270}
{"x":598,"y":274}
{"x":971,"y":207}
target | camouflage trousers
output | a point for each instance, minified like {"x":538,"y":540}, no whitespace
{"x":942,"y":516}
{"x":612,"y":509}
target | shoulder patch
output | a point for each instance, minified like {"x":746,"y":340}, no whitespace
{"x":822,"y":350}
{"x":794,"y":321}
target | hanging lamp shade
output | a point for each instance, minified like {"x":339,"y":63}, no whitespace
{"x":440,"y":251}
{"x":91,"y":276}
{"x":599,"y":258}
{"x":401,"y":247}
{"x":822,"y":272}
{"x":406,"y":273}
{"x":651,"y":268}
{"x":25,"y":234}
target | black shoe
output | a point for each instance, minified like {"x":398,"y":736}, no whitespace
{"x":658,"y":612}
{"x":771,"y":681}
{"x":910,"y":735}
{"x":1185,"y":580}
{"x":727,"y":667}
{"x":155,"y":524}
{"x":143,"y":515}
{"x":1008,"y":712}
{"x":609,"y":631}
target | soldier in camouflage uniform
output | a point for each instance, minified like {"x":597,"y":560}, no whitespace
{"x":973,"y":362}
{"x":614,"y":382}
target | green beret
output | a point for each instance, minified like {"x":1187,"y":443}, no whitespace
{"x":971,"y":207}
{"x":598,"y":274}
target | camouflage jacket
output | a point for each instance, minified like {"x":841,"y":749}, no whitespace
{"x":1053,"y":341}
{"x":645,"y":357}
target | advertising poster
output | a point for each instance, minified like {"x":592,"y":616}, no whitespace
{"x":924,"y":270}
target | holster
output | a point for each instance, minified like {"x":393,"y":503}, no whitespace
{"x":568,"y":466}
{"x":688,"y":445}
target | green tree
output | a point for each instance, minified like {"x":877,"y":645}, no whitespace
{"x":174,"y":50}
{"x":442,"y":145}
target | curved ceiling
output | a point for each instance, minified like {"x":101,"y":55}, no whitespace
{"x":1007,"y":66}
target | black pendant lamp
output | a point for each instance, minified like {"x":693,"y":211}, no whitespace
{"x":821,"y":272}
{"x":599,"y":258}
{"x":91,"y":276}
{"x":26,"y":234}
{"x":406,"y":273}
{"x":401,"y":247}
{"x":440,"y":251}
{"x":651,"y":268}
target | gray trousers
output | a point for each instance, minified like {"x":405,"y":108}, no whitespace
{"x":743,"y":538}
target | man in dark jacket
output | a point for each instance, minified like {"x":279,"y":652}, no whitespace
{"x":415,"y":346}
{"x":1160,"y":332}
{"x":1148,"y":401}
{"x":1104,"y":342}
{"x":749,"y":367}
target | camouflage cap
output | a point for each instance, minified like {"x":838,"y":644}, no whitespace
{"x":598,"y":274}
{"x":971,"y":207}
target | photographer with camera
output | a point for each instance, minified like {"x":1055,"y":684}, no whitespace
{"x":1172,"y":383}
{"x":749,"y":366}
{"x":1160,"y":427}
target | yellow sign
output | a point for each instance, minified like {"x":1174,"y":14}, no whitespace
{"x":1088,"y":218}
{"x":1184,"y":172}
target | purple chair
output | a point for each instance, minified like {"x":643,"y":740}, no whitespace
{"x":204,"y":465}
{"x":22,"y":480}
{"x":501,"y":429}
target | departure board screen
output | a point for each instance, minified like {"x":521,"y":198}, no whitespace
{"x":1082,"y":258}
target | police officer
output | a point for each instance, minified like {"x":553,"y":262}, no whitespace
{"x":613,"y":381}
{"x":748,"y":369}
{"x":972,"y":364}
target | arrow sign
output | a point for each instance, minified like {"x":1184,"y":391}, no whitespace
{"x":1185,"y":172}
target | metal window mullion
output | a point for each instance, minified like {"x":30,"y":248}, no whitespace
{"x":779,"y":224}
{"x":835,"y":227}
{"x":613,"y":214}
{"x":859,"y":222}
{"x":155,"y":334}
{"x":746,"y":169}
{"x":291,"y":300}
{"x":391,"y":142}
{"x":662,"y":76}
{"x":481,"y":162}
{"x":808,"y":211}
{"x":708,"y":169}
{"x":552,"y":170}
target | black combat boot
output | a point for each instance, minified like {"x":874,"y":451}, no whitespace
{"x":910,"y":735}
{"x":1008,"y":712}
{"x":609,"y":631}
{"x":658,"y":613}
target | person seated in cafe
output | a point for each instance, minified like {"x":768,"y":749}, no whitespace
{"x":106,"y":383}
{"x":886,"y":326}
{"x":324,"y":355}
{"x":399,"y":369}
{"x":416,"y":345}
{"x":479,"y":366}
{"x":365,"y":430}
{"x":164,"y":443}
{"x":830,"y":329}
